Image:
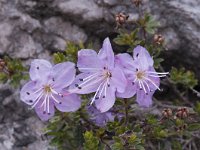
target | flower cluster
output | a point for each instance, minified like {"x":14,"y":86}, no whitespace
{"x":103,"y":73}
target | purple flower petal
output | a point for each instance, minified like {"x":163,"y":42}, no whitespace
{"x":130,"y":91}
{"x":118,"y":79}
{"x":100,"y":119}
{"x":144,"y":100}
{"x":68,"y":103}
{"x":44,"y":116}
{"x":30,"y":92}
{"x":125,"y":61}
{"x":106,"y":53}
{"x":39,"y":69}
{"x":104,"y":104}
{"x":88,"y":60}
{"x":141,"y":55}
{"x":63,"y":74}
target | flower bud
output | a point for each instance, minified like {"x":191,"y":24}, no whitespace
{"x":2,"y":64}
{"x":167,"y":113}
{"x":158,"y":39}
{"x":121,"y":18}
{"x":137,"y":3}
{"x":182,"y":112}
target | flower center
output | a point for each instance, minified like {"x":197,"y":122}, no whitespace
{"x":47,"y":88}
{"x":108,"y":74}
{"x":140,"y":75}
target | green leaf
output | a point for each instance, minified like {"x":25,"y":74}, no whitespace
{"x":194,"y":127}
{"x":91,"y":142}
{"x":184,"y":77}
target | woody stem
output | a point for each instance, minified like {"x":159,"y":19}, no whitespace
{"x":126,"y":110}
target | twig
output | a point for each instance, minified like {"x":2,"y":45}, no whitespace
{"x":106,"y":144}
{"x":176,"y":91}
{"x":196,"y":92}
{"x":126,"y":111}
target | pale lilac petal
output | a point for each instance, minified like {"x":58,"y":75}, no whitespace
{"x":129,"y":92}
{"x":88,"y":60}
{"x":44,"y":116}
{"x":100,"y":119}
{"x":69,"y":103}
{"x":118,"y":79}
{"x":143,"y":99}
{"x":30,"y":91}
{"x":63,"y":74}
{"x":143,"y":57}
{"x":39,"y":69}
{"x":104,"y":104}
{"x":88,"y":87}
{"x":106,"y":53}
{"x":125,"y":61}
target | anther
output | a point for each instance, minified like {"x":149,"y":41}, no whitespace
{"x":79,"y":87}
{"x":27,"y":93}
{"x":76,"y":85}
{"x":137,"y":54}
{"x":104,"y":96}
{"x":30,"y":101}
{"x":136,"y":69}
{"x":108,"y":85}
{"x":38,"y":68}
{"x":96,"y":97}
{"x":49,"y":113}
{"x":81,"y":79}
{"x":60,"y":102}
{"x":53,"y":79}
{"x":104,"y":68}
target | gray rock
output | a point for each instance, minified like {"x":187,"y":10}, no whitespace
{"x":34,"y":29}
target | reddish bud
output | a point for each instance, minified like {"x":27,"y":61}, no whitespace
{"x":137,"y":3}
{"x":158,"y":39}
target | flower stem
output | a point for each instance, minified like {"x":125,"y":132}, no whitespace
{"x":126,"y":111}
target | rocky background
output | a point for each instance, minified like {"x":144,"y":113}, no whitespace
{"x":36,"y":28}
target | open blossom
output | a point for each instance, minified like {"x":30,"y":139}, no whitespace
{"x":100,"y":75}
{"x":45,"y":90}
{"x":143,"y":80}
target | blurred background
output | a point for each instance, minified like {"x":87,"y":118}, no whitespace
{"x":37,"y":28}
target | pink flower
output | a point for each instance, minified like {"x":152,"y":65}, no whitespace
{"x":100,"y":75}
{"x":45,"y":90}
{"x":143,"y":80}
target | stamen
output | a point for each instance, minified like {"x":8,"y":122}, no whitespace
{"x":90,"y":76}
{"x":88,"y":79}
{"x":44,"y":103}
{"x":140,"y":84}
{"x":48,"y":104}
{"x":37,"y":100}
{"x":153,"y":72}
{"x":54,"y":99}
{"x":147,"y":85}
{"x":38,"y":90}
{"x":53,"y":91}
{"x":158,"y":76}
{"x":144,"y":87}
{"x":103,"y":88}
{"x":96,"y":93}
{"x":153,"y":83}
{"x":89,"y":69}
{"x":106,"y":88}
